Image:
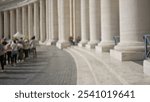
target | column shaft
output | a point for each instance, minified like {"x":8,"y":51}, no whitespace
{"x":18,"y":20}
{"x":94,"y":6}
{"x":6,"y":24}
{"x":12,"y":23}
{"x":84,"y":22}
{"x":54,"y":21}
{"x":30,"y":21}
{"x":48,"y":22}
{"x":42,"y":20}
{"x":25,"y":21}
{"x":109,"y":24}
{"x":64,"y":23}
{"x":76,"y":19}
{"x":1,"y":25}
{"x":134,"y":23}
{"x":37,"y":20}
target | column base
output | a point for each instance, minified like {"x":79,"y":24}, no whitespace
{"x":91,"y":45}
{"x":53,"y":42}
{"x":41,"y":43}
{"x":102,"y":49}
{"x":127,"y":56}
{"x":62,"y":45}
{"x":48,"y":43}
{"x":105,"y":46}
{"x":82,"y":44}
{"x":147,"y":67}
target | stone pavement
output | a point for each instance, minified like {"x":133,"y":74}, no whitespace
{"x":101,"y":69}
{"x":51,"y":67}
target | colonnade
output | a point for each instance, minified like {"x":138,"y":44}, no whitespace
{"x":96,"y":22}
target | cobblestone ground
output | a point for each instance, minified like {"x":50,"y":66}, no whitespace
{"x":51,"y":67}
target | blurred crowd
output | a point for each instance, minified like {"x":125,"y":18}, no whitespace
{"x":16,"y":50}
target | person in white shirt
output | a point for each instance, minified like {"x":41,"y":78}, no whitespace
{"x":14,"y":52}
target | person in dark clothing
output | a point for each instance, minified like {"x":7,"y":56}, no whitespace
{"x":2,"y":52}
{"x":4,"y":43}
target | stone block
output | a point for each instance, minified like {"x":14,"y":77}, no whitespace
{"x":127,"y":56}
{"x":147,"y":67}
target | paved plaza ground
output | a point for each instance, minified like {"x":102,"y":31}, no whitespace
{"x":74,"y":66}
{"x":51,"y":67}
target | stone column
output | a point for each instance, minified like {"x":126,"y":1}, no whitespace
{"x":48,"y":22}
{"x":25,"y":21}
{"x":12,"y":23}
{"x":64,"y":23}
{"x":134,"y":23}
{"x":1,"y":25}
{"x":54,"y":21}
{"x":71,"y":18}
{"x":84,"y":22}
{"x":42,"y":21}
{"x":76,"y":19}
{"x":6,"y":24}
{"x":37,"y":20}
{"x":18,"y":20}
{"x":30,"y":21}
{"x":94,"y":6}
{"x":109,"y":24}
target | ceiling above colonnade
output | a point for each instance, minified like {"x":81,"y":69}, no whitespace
{"x":8,"y":4}
{"x":5,"y":2}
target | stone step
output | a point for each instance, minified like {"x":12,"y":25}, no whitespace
{"x":127,"y":72}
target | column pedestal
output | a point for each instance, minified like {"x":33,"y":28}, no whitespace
{"x":63,"y":44}
{"x":105,"y":47}
{"x":147,"y":67}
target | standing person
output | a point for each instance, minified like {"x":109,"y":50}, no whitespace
{"x":20,"y":51}
{"x":2,"y":52}
{"x":33,"y":46}
{"x":4,"y":42}
{"x":9,"y":52}
{"x":14,"y":52}
{"x":26,"y":48}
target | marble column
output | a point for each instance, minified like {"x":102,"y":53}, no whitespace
{"x":48,"y":22}
{"x":37,"y":20}
{"x":25,"y":21}
{"x":42,"y":21}
{"x":84,"y":22}
{"x":64,"y":23}
{"x":6,"y":24}
{"x":71,"y":18}
{"x":134,"y":23}
{"x":109,"y":24}
{"x":12,"y":23}
{"x":95,"y":28}
{"x":76,"y":19}
{"x":30,"y":21}
{"x":18,"y":20}
{"x":1,"y":25}
{"x":54,"y":21}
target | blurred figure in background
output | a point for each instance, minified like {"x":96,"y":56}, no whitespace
{"x":2,"y":53}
